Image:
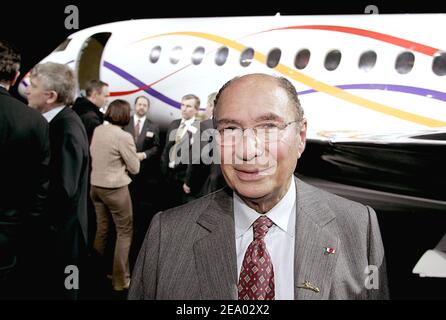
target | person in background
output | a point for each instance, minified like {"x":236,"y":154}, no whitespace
{"x":144,"y":188}
{"x":113,"y":154}
{"x":206,"y":176}
{"x":88,"y":108}
{"x":177,"y":155}
{"x":24,"y":161}
{"x":51,"y":91}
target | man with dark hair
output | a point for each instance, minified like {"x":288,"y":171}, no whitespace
{"x":88,"y":108}
{"x":269,"y":235}
{"x":144,"y":187}
{"x":25,"y":155}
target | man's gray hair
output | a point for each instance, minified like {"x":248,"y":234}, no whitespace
{"x":283,"y":82}
{"x":57,"y":77}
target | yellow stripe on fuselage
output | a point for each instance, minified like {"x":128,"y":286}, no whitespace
{"x":314,"y":84}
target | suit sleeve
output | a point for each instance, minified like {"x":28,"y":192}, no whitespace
{"x":70,"y":166}
{"x":41,"y":188}
{"x":165,"y":155}
{"x":197,"y":172}
{"x":127,"y":149}
{"x":90,"y":124}
{"x":376,"y":258}
{"x":153,"y":151}
{"x":145,"y":274}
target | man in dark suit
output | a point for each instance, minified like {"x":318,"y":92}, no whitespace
{"x":179,"y":152}
{"x":24,"y":160}
{"x":88,"y":108}
{"x":268,"y":235}
{"x":51,"y":91}
{"x":144,"y":188}
{"x":206,"y":176}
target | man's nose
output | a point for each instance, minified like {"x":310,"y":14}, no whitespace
{"x":249,"y":146}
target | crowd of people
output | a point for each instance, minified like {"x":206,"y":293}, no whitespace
{"x":101,"y":173}
{"x":82,"y":174}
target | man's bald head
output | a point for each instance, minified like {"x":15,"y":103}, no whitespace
{"x":260,"y":80}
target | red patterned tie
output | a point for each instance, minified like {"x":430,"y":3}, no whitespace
{"x":257,"y":275}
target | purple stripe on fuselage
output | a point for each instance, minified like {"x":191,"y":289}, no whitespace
{"x":140,"y":84}
{"x":438,"y":95}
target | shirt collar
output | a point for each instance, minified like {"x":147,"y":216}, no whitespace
{"x":282,"y":214}
{"x":49,"y":115}
{"x":188,"y":122}
{"x":136,"y":118}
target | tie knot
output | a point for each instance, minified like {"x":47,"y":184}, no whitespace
{"x":261,"y":227}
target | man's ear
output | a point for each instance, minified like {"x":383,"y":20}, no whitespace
{"x":302,"y":136}
{"x":52,"y":98}
{"x":17,"y":75}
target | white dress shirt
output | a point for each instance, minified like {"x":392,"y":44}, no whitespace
{"x":141,"y":122}
{"x":189,"y":124}
{"x":279,"y":239}
{"x":49,"y":115}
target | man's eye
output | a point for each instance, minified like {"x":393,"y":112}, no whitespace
{"x":231,"y":128}
{"x":267,"y":126}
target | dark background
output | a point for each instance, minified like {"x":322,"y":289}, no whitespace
{"x":37,"y":28}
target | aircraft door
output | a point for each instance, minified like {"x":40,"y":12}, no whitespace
{"x":88,"y":63}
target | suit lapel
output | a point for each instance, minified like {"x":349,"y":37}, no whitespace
{"x":215,"y":255}
{"x":313,"y":267}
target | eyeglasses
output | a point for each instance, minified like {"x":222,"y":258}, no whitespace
{"x":264,"y":132}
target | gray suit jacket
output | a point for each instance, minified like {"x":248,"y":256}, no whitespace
{"x":189,"y":251}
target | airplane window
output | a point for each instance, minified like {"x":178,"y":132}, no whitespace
{"x":175,"y":55}
{"x":155,"y":54}
{"x":302,"y":59}
{"x":221,"y":56}
{"x":404,"y":62}
{"x":367,"y":61}
{"x":246,"y":57}
{"x":273,"y":58}
{"x":198,"y":55}
{"x":439,"y":64}
{"x":332,"y":60}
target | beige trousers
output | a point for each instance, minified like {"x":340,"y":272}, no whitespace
{"x":116,"y":204}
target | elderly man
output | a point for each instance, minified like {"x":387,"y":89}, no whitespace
{"x":269,"y":235}
{"x":51,"y":92}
